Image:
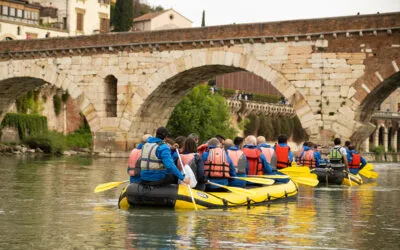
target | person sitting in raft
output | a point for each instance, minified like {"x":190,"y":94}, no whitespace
{"x":283,"y":154}
{"x":356,"y":161}
{"x":156,"y":162}
{"x":338,"y":154}
{"x":194,"y":137}
{"x":299,"y":152}
{"x":239,"y":161}
{"x":308,"y":156}
{"x":221,"y":139}
{"x":319,"y":162}
{"x":133,"y":163}
{"x":190,"y":157}
{"x":218,"y":167}
{"x":267,"y":151}
{"x":258,"y":164}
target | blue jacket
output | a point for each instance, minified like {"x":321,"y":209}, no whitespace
{"x":266,"y":167}
{"x":163,"y":153}
{"x":236,"y":182}
{"x":232,"y":170}
{"x":317,"y":155}
{"x":350,"y":158}
{"x":135,"y":179}
{"x":264,"y":145}
{"x":290,"y":152}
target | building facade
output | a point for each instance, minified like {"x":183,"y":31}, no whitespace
{"x":42,"y":18}
{"x":163,"y":20}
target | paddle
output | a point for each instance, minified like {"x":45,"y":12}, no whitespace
{"x":295,"y":170}
{"x":255,"y":180}
{"x":237,"y":190}
{"x":368,"y":173}
{"x":188,"y":186}
{"x":305,"y":181}
{"x":109,"y":185}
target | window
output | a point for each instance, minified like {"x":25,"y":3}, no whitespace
{"x":27,"y":14}
{"x":19,"y":13}
{"x":34,"y":15}
{"x":104,"y":25}
{"x":5,"y":10}
{"x":110,"y":99}
{"x":12,"y":11}
{"x":79,"y":21}
{"x":18,"y":30}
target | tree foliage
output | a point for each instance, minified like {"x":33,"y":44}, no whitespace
{"x":202,"y":113}
{"x":122,"y":17}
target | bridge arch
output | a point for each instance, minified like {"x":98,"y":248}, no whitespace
{"x":168,"y":85}
{"x":21,"y":79}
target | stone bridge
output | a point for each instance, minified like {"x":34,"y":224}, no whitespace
{"x":333,"y":71}
{"x":244,"y":108}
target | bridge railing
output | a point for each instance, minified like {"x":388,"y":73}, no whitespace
{"x":386,"y":115}
{"x":249,"y":107}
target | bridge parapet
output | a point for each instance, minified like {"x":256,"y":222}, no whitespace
{"x":386,"y":115}
{"x":245,"y":108}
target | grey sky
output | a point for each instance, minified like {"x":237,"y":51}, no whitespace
{"x":220,"y":12}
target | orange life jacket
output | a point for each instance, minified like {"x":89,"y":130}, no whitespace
{"x":134,"y":170}
{"x":216,"y":165}
{"x":282,"y":156}
{"x":187,"y":159}
{"x":239,"y":160}
{"x":298,"y":159}
{"x":253,"y":158}
{"x":267,"y":152}
{"x":355,"y":162}
{"x":308,"y":159}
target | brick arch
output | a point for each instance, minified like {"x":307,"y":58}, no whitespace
{"x":167,"y":86}
{"x":32,"y":76}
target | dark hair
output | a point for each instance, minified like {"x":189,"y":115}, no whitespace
{"x":220,"y":138}
{"x":190,"y":146}
{"x":238,"y":140}
{"x":162,"y":132}
{"x":337,"y":141}
{"x":352,"y":147}
{"x":347,"y":143}
{"x":282,"y":139}
{"x":310,"y":144}
{"x":180,"y":140}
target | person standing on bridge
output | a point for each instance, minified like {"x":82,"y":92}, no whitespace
{"x":157,"y":166}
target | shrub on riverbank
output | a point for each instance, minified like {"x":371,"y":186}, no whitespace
{"x":51,"y":142}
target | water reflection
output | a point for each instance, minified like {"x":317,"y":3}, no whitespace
{"x":48,"y":203}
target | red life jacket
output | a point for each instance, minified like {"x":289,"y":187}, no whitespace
{"x":267,"y":152}
{"x":308,"y":159}
{"x":239,"y":160}
{"x":134,"y":170}
{"x":253,"y":158}
{"x":216,"y":165}
{"x":355,"y":162}
{"x":282,"y":156}
{"x":187,"y":159}
{"x":201,"y":149}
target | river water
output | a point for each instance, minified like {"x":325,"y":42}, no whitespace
{"x":48,"y":203}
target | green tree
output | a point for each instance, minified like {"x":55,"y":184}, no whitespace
{"x":122,"y":15}
{"x":203,"y":19}
{"x":201,"y":113}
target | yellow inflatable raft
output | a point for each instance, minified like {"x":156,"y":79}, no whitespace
{"x":178,"y":196}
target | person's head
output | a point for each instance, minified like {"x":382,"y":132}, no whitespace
{"x":352,"y":147}
{"x":194,"y":137}
{"x":305,"y":143}
{"x":170,"y":142}
{"x":162,"y":133}
{"x":213,"y":142}
{"x":220,"y":138}
{"x":228,"y":143}
{"x":261,"y":140}
{"x":347,"y":144}
{"x":190,"y":146}
{"x":180,"y":140}
{"x":250,"y":140}
{"x":282,"y":139}
{"x":337,"y":141}
{"x":238,"y":141}
{"x":310,"y":144}
{"x":316,"y":146}
{"x":145,"y":137}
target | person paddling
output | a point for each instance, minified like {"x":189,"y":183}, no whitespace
{"x":156,"y":162}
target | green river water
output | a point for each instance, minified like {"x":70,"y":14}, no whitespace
{"x":48,"y":203}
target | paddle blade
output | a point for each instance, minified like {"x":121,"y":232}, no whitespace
{"x":368,"y":173}
{"x":295,"y":170}
{"x":108,"y":185}
{"x":256,"y":180}
{"x":305,"y":181}
{"x":271,"y":176}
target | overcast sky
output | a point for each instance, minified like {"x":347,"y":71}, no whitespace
{"x":220,"y":12}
